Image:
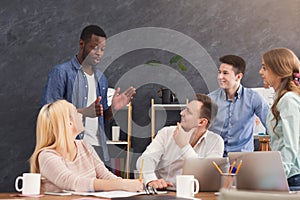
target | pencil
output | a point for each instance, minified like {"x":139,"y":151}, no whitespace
{"x":141,"y":171}
{"x":231,"y":168}
{"x":217,"y":167}
{"x":238,"y":167}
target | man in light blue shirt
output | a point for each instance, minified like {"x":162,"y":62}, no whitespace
{"x":238,"y":106}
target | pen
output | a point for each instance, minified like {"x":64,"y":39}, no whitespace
{"x":217,"y":167}
{"x":231,"y":168}
{"x":238,"y":167}
{"x":141,"y":170}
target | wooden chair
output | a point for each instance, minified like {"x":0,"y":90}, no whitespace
{"x":264,"y":143}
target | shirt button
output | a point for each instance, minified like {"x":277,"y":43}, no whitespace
{"x":86,"y":86}
{"x":85,"y":97}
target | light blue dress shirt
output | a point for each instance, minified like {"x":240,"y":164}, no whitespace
{"x":235,"y":119}
{"x":287,"y":136}
{"x":68,"y":81}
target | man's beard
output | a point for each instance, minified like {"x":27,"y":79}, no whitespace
{"x":86,"y":60}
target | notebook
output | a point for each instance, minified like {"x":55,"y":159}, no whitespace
{"x":260,"y":170}
{"x":204,"y":170}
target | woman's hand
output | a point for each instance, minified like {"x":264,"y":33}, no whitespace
{"x":132,"y":185}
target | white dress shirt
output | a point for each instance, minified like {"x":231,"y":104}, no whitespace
{"x":164,"y":159}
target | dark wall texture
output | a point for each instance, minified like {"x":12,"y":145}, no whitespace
{"x":36,"y":35}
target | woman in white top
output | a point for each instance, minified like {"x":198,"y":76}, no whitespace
{"x":280,"y":69}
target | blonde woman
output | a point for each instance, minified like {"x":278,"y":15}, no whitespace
{"x":280,"y":69}
{"x":66,"y":163}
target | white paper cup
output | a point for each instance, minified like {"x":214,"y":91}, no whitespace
{"x":115,"y":133}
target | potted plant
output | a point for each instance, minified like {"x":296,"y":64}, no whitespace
{"x":166,"y":94}
{"x":177,"y":59}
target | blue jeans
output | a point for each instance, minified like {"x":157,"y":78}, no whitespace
{"x":294,"y":182}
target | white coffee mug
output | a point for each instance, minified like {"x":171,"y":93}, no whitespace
{"x":185,"y":186}
{"x":115,"y":133}
{"x":31,"y":183}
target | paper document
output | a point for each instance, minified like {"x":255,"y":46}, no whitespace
{"x":113,"y":194}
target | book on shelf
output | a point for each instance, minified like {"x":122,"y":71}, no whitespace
{"x":118,"y":166}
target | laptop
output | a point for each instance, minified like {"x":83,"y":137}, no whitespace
{"x":203,"y":169}
{"x":260,"y":170}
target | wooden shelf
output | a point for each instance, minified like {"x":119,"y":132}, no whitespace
{"x":128,"y":107}
{"x":116,"y":142}
{"x":155,"y":107}
{"x":169,"y":106}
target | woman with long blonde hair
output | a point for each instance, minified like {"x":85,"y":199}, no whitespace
{"x":66,"y":163}
{"x":280,"y":69}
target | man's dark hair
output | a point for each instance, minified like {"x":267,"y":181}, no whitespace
{"x":88,"y":31}
{"x":237,"y":62}
{"x":209,"y":108}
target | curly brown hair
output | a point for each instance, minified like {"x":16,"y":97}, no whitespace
{"x":283,"y":63}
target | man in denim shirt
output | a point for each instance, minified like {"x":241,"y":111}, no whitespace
{"x":81,"y":83}
{"x":238,"y":106}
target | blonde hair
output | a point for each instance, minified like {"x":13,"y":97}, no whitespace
{"x":53,"y":131}
{"x":283,"y":63}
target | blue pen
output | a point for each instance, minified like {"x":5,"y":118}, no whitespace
{"x":233,"y":170}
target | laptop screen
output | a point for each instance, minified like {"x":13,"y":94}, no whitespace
{"x":203,"y":169}
{"x":261,"y":170}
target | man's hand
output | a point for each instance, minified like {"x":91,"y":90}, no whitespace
{"x":181,"y":137}
{"x":93,"y":110}
{"x":160,"y":184}
{"x":121,"y":100}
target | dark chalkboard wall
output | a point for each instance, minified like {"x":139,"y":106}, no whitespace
{"x":35,"y":35}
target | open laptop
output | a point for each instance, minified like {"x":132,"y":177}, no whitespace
{"x":206,"y":173}
{"x":260,"y":170}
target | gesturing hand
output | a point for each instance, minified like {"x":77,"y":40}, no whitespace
{"x":182,"y":137}
{"x":98,"y":107}
{"x":93,"y":110}
{"x":121,"y":100}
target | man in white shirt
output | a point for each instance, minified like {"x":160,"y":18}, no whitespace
{"x":164,"y":157}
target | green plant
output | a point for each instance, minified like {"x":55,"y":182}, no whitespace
{"x":177,"y":59}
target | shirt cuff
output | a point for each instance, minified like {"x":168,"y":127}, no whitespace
{"x":92,"y":188}
{"x":149,"y":177}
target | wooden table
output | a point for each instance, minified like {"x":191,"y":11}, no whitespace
{"x":201,"y":195}
{"x":206,"y":196}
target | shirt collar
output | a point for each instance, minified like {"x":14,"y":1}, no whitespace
{"x":76,"y":63}
{"x":238,"y":93}
{"x":78,"y":66}
{"x":203,"y":137}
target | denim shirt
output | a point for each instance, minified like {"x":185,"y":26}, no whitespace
{"x":235,"y":119}
{"x":68,"y":81}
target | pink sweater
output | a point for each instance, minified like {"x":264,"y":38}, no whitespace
{"x":77,"y":175}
